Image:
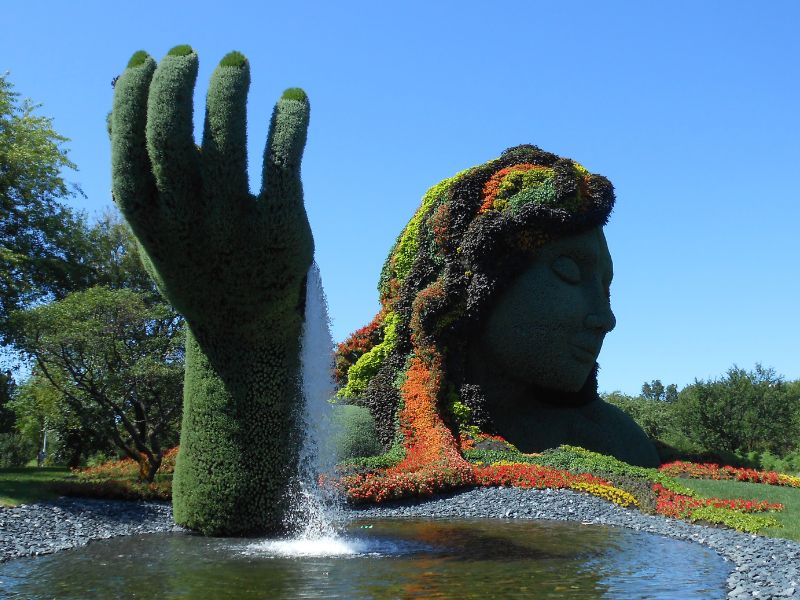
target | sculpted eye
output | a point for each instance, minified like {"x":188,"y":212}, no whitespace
{"x":567,"y":269}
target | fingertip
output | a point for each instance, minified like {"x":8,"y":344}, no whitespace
{"x":181,"y":50}
{"x":138,"y":59}
{"x":297,"y":94}
{"x":233,"y":59}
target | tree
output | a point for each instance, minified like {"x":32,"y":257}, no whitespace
{"x":7,"y":387}
{"x":744,"y":411}
{"x":116,"y":359}
{"x":113,"y":257}
{"x":656,"y":391}
{"x":41,"y":239}
{"x":72,"y":437}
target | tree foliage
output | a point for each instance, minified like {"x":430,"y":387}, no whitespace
{"x":743,"y":411}
{"x":42,"y":241}
{"x":115,"y":359}
{"x":657,"y":419}
{"x":113,"y":257}
{"x":7,"y":388}
{"x":72,"y":437}
{"x":655,"y":390}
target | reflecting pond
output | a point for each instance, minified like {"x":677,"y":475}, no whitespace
{"x":382,"y":559}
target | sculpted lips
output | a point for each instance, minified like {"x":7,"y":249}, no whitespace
{"x":585,"y":352}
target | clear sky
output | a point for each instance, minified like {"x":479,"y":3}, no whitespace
{"x":692,"y":109}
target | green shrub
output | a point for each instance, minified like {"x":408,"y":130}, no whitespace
{"x":15,"y":450}
{"x":98,"y":458}
{"x":580,"y":460}
{"x":355,"y":432}
{"x":368,"y":463}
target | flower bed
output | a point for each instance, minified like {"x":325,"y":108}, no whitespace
{"x":692,"y":470}
{"x":424,"y":473}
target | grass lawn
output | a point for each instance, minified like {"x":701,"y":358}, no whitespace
{"x":24,"y":485}
{"x":789,"y":517}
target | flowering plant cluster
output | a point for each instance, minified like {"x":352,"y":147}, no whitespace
{"x":531,"y":476}
{"x":714,"y":471}
{"x":124,"y":468}
{"x":394,"y":483}
{"x":432,"y":462}
{"x":681,"y":506}
{"x":119,"y":479}
{"x":607,"y":492}
{"x":425,"y":471}
{"x":354,"y":347}
{"x":735,"y":513}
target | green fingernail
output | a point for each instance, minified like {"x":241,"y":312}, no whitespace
{"x":182,"y":50}
{"x":138,"y":58}
{"x":295,"y":94}
{"x":233,"y":59}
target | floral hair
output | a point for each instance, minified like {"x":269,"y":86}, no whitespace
{"x":471,"y":235}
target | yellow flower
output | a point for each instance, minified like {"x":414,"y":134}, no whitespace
{"x":607,"y":492}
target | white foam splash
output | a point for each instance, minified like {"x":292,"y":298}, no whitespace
{"x":323,"y":546}
{"x":315,"y":511}
{"x":336,"y":546}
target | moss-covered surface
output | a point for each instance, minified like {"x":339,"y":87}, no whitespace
{"x":234,"y":265}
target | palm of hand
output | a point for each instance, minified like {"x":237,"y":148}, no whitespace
{"x":215,"y":250}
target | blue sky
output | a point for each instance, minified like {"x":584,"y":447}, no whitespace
{"x":690,"y":108}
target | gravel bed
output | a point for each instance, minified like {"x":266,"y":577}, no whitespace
{"x":760,"y":567}
{"x":46,"y":527}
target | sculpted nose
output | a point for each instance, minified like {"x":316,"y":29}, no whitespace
{"x":601,"y":320}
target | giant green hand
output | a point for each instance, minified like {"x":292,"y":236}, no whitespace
{"x":234,"y":265}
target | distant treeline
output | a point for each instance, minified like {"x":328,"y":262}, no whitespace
{"x":747,"y":418}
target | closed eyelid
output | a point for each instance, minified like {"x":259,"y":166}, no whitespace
{"x":567,"y":268}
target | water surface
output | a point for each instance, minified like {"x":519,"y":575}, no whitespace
{"x":382,"y":559}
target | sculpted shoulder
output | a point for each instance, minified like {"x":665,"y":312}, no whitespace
{"x":616,"y":433}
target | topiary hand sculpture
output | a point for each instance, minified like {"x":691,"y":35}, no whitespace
{"x":234,"y":265}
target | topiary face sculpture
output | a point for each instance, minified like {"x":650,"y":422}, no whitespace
{"x":234,"y":265}
{"x":495,"y":303}
{"x":546,"y":328}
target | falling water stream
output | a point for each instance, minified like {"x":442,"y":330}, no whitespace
{"x":315,"y":517}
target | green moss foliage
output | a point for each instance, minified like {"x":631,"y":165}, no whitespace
{"x":296,"y":94}
{"x":365,"y":464}
{"x":180,"y":50}
{"x":234,"y":265}
{"x":233,"y":59}
{"x":138,"y":59}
